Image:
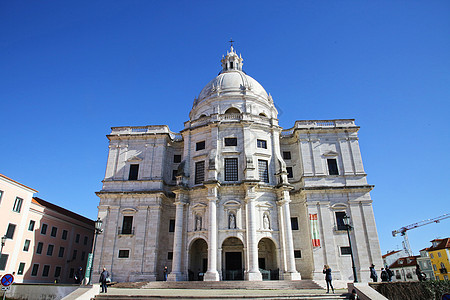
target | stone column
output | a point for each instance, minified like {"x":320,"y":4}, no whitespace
{"x":252,"y":273}
{"x":177,"y":274}
{"x":212,"y":274}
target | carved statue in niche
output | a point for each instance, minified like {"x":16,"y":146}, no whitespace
{"x":198,"y":223}
{"x":266,"y":221}
{"x":232,"y":221}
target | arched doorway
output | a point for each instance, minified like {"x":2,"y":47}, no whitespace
{"x":267,"y":259}
{"x":232,"y":259}
{"x":198,"y":259}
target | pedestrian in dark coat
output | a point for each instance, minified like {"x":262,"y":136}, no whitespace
{"x":103,"y":276}
{"x":390,"y":273}
{"x":384,"y":275}
{"x":327,"y":272}
{"x":373,"y":273}
{"x":165,"y":273}
{"x":79,"y":275}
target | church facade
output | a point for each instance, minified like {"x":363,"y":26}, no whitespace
{"x":234,"y":196}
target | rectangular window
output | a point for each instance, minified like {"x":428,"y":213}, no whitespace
{"x":64,"y":235}
{"x":200,"y":146}
{"x":85,"y":241}
{"x":57,"y":272}
{"x":177,"y":158}
{"x":44,"y":229}
{"x":439,"y":254}
{"x":332,"y":166}
{"x":45,"y":271}
{"x":127,"y":225}
{"x":199,"y":172}
{"x":346,"y":251}
{"x":290,"y":174}
{"x":21,"y":268}
{"x":294,"y":223}
{"x":231,"y":169}
{"x":39,"y":247}
{"x":431,"y":255}
{"x":169,"y":255}
{"x":1,"y":195}
{"x":61,"y":252}
{"x":230,"y":141}
{"x":297,"y":253}
{"x":172,"y":225}
{"x":26,"y":245}
{"x":74,"y":256}
{"x":10,"y":231}
{"x":174,"y":175}
{"x":54,"y":231}
{"x":31,"y":225}
{"x":263,"y":170}
{"x":261,"y":144}
{"x":124,"y":253}
{"x":286,"y":155}
{"x":134,"y":171}
{"x":50,"y":250}
{"x":3,"y":261}
{"x":35,"y":270}
{"x":340,"y":225}
{"x":83,"y":255}
{"x":17,"y":204}
{"x":77,"y":238}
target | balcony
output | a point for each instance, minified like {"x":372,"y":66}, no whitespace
{"x":443,"y":270}
{"x":125,"y":231}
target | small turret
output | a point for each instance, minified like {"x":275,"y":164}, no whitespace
{"x":231,"y":61}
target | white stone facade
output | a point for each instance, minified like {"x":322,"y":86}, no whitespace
{"x":233,"y":195}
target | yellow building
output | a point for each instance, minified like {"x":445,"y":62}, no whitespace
{"x":440,"y":255}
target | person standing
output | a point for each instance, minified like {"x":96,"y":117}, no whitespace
{"x":390,"y":273}
{"x":103,"y":276}
{"x":165,"y":273}
{"x":79,"y":275}
{"x":327,"y":272}
{"x":384,"y":275}
{"x":373,"y":273}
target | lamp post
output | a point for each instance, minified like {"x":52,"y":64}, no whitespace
{"x":346,"y":220}
{"x":3,"y":244}
{"x":98,"y":230}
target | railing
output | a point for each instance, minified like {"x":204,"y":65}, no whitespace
{"x":125,"y":231}
{"x":319,"y":124}
{"x":443,"y":270}
{"x":230,"y":117}
{"x":233,"y":274}
{"x":153,"y":129}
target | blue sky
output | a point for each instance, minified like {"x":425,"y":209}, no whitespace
{"x":70,"y":70}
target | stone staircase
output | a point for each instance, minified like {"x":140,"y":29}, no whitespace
{"x":245,"y":285}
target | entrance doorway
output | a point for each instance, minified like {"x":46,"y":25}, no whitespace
{"x":267,"y":259}
{"x":198,"y":260}
{"x":232,"y":249}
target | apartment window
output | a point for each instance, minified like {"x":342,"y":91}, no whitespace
{"x":61,"y":252}
{"x":340,"y":220}
{"x":297,"y":253}
{"x":199,"y":172}
{"x":1,"y":195}
{"x":21,"y":268}
{"x":74,"y":255}
{"x":286,"y":155}
{"x":17,"y":204}
{"x":64,"y":235}
{"x":230,"y":141}
{"x":177,"y":158}
{"x":85,"y":241}
{"x":50,"y":250}
{"x":71,"y":272}
{"x":83,"y":255}
{"x":124,"y":253}
{"x":290,"y":174}
{"x":35,"y":270}
{"x":26,"y":245}
{"x":77,"y":238}
{"x":437,"y":277}
{"x":332,"y":166}
{"x":439,"y":254}
{"x":127,"y":225}
{"x":431,"y":255}
{"x":231,"y":169}
{"x":54,"y":231}
{"x":39,"y":247}
{"x":3,"y":261}
{"x":200,"y":146}
{"x":45,"y":271}
{"x":31,"y":225}
{"x":174,"y":174}
{"x":134,"y":171}
{"x":346,"y":251}
{"x":44,"y":229}
{"x":263,"y":170}
{"x":172,"y":225}
{"x":57,"y":272}
{"x":10,"y":231}
{"x":169,"y":255}
{"x":261,"y":144}
{"x":294,"y":223}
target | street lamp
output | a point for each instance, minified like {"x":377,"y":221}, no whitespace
{"x":346,"y":220}
{"x":98,"y":230}
{"x":3,"y":244}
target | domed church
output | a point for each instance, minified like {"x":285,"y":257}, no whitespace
{"x":234,"y":196}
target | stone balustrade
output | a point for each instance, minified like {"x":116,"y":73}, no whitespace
{"x":312,"y":124}
{"x":151,"y":129}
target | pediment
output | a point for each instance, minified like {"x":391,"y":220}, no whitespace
{"x":199,"y":206}
{"x":265,"y":205}
{"x":134,"y":158}
{"x":129,"y":210}
{"x":331,"y":153}
{"x":339,"y":206}
{"x":232,"y":203}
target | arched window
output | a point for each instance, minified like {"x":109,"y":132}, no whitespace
{"x":232,"y":110}
{"x":263,"y":115}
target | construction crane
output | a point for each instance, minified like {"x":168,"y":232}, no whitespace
{"x":403,"y":230}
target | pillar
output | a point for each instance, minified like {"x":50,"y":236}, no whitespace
{"x":177,"y":274}
{"x":252,"y":273}
{"x":212,"y":274}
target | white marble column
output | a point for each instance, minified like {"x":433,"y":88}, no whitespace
{"x":252,"y":273}
{"x":177,"y":274}
{"x":212,"y":274}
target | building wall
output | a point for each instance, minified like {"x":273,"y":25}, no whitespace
{"x":440,"y":258}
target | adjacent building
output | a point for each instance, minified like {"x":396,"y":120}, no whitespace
{"x":405,"y":269}
{"x":439,"y":254}
{"x":424,"y":263}
{"x":234,"y":195}
{"x":44,"y":243}
{"x":392,"y":256}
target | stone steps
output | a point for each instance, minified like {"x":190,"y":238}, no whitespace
{"x":283,"y":297}
{"x":249,"y":285}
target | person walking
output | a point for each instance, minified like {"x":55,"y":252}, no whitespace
{"x":373,"y":273}
{"x":103,"y":276}
{"x":79,"y":275}
{"x":327,"y":272}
